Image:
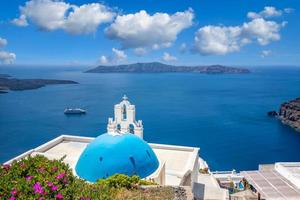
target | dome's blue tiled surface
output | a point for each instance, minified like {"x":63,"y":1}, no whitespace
{"x":109,"y":154}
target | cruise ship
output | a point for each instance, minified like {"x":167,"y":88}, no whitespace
{"x":74,"y":111}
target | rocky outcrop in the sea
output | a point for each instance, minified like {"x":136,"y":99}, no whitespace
{"x":272,"y":113}
{"x":289,"y":113}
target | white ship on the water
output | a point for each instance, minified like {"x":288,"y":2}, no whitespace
{"x":74,"y":111}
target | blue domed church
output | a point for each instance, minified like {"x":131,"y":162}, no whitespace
{"x":120,"y":150}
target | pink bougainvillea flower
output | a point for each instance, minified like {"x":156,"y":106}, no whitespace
{"x":59,"y":196}
{"x":82,"y":198}
{"x":59,"y":176}
{"x":22,"y":165}
{"x":41,"y":198}
{"x":6,"y":166}
{"x":53,"y":188}
{"x":55,"y":168}
{"x":38,"y":188}
{"x":28,"y":178}
{"x":12,"y":198}
{"x":41,"y":170}
{"x":65,"y":181}
{"x":50,"y":184}
{"x":14,"y":192}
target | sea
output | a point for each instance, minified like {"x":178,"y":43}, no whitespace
{"x":225,"y":115}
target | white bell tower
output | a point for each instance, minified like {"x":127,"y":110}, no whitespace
{"x":124,"y":120}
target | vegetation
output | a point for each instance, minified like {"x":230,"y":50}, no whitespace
{"x":203,"y":171}
{"x":40,"y":178}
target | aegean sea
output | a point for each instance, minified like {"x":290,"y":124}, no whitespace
{"x":225,"y":114}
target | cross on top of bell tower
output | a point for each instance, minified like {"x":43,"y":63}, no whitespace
{"x":125,"y":98}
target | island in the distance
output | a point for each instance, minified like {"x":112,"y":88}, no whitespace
{"x":157,"y":67}
{"x":289,"y":113}
{"x":8,"y":83}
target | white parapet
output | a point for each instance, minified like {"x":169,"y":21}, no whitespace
{"x":290,"y":171}
{"x":159,"y":176}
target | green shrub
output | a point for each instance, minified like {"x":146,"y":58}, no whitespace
{"x":144,"y":182}
{"x":40,"y":178}
{"x":119,"y":181}
{"x":123,"y":181}
{"x":87,"y":191}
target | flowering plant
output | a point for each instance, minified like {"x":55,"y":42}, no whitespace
{"x":40,"y":178}
{"x":36,"y":177}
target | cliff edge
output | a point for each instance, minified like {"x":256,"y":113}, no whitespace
{"x":289,"y":113}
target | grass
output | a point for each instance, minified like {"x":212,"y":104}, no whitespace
{"x":156,"y":193}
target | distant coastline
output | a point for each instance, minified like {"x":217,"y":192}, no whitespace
{"x":8,"y":83}
{"x":156,"y":67}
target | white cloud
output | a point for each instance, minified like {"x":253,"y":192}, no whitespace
{"x":3,"y":42}
{"x":265,"y":53}
{"x":261,"y":30}
{"x":87,"y":18}
{"x":119,"y":55}
{"x":221,"y":40}
{"x":140,"y":51}
{"x":46,"y":14}
{"x":21,"y":21}
{"x":55,"y":14}
{"x":103,"y":60}
{"x":218,"y":40}
{"x":141,"y":30}
{"x":269,"y":11}
{"x":7,"y":57}
{"x":168,"y":57}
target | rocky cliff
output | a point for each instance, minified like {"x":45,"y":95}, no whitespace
{"x":289,"y":113}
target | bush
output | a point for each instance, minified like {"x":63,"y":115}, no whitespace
{"x":119,"y":181}
{"x":40,"y":178}
{"x":123,"y":181}
{"x":36,"y":177}
{"x":88,"y":191}
{"x":203,"y":171}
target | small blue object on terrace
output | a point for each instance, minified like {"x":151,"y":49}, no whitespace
{"x":110,"y":154}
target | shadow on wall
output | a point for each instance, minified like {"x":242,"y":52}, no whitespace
{"x":198,"y":191}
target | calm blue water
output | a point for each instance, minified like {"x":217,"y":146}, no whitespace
{"x":224,"y":115}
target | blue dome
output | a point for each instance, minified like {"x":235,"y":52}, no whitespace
{"x":109,"y":154}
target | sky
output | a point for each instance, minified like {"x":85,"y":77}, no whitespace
{"x":189,"y":32}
